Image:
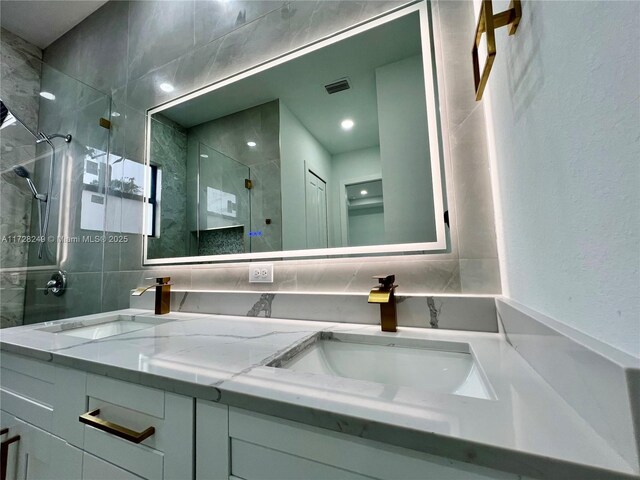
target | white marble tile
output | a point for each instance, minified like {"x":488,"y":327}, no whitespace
{"x":480,"y":276}
{"x":445,"y":312}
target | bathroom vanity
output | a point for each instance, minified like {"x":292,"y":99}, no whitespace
{"x":254,"y":398}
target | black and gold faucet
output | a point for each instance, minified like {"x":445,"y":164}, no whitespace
{"x":384,"y":294}
{"x":163,"y":294}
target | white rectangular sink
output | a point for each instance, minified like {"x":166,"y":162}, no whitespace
{"x":436,"y":366}
{"x":104,"y":327}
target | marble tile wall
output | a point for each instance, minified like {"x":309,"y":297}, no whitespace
{"x":20,"y":71}
{"x":169,"y":153}
{"x":467,"y":172}
{"x":194,"y":43}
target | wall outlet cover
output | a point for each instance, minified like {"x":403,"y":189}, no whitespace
{"x":261,"y":273}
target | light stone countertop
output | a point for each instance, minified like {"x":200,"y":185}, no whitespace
{"x":529,"y":429}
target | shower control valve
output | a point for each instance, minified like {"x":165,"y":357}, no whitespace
{"x":57,"y":284}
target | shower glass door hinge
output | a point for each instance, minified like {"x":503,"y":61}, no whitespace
{"x":248,"y":184}
{"x":104,"y":123}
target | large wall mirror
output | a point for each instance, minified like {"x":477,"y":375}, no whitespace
{"x":330,"y":150}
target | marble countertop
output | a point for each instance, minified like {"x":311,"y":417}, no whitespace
{"x":527,"y":429}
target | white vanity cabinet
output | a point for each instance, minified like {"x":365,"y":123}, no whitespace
{"x":38,"y":454}
{"x":42,"y":403}
{"x":191,"y":438}
{"x":238,"y":444}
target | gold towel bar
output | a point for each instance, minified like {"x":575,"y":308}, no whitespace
{"x":488,"y":23}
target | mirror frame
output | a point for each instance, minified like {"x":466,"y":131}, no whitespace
{"x":436,"y":151}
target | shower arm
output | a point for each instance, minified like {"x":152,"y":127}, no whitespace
{"x":43,"y":137}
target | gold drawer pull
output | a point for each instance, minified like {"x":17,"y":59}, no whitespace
{"x":90,"y":418}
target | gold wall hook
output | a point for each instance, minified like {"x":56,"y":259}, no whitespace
{"x":488,"y":23}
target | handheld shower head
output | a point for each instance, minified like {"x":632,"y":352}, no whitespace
{"x":24,"y":173}
{"x":21,"y":171}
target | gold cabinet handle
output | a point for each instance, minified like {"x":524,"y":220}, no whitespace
{"x":91,"y":418}
{"x":4,"y":453}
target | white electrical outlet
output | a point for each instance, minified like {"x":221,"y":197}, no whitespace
{"x":261,"y":273}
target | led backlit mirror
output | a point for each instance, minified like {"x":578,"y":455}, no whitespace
{"x":330,"y":150}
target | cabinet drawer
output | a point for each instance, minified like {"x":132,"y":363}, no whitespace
{"x":167,"y":453}
{"x":42,"y":394}
{"x":255,"y":462}
{"x":26,"y":389}
{"x":40,"y":455}
{"x":346,"y":453}
{"x":95,"y":469}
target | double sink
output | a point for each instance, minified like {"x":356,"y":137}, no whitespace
{"x":435,"y":366}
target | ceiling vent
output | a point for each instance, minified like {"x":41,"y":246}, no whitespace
{"x":338,"y":86}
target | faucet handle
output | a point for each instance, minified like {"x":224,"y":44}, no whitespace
{"x":385,"y":280}
{"x":159,"y":280}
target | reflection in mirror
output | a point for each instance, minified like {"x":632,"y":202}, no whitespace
{"x":224,"y":205}
{"x":331,"y":148}
{"x":365,"y":213}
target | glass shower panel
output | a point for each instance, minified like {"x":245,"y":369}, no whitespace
{"x":224,"y":204}
{"x":78,"y":197}
{"x":50,"y":102}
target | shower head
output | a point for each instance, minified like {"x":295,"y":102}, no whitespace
{"x":21,"y":171}
{"x":24,"y":173}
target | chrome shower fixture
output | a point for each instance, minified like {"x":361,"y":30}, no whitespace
{"x":47,"y":138}
{"x":24,"y":173}
{"x":8,"y":117}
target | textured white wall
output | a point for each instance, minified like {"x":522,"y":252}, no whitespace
{"x":564,"y":103}
{"x":346,"y":167}
{"x":404,"y":152}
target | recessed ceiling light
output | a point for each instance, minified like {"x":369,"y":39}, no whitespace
{"x":48,"y":95}
{"x":166,"y":87}
{"x":252,"y":144}
{"x":204,"y":156}
{"x":347,"y":124}
{"x":363,"y":192}
{"x":115,"y":114}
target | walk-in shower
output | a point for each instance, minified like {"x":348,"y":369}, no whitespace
{"x":6,"y":118}
{"x":56,"y":220}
